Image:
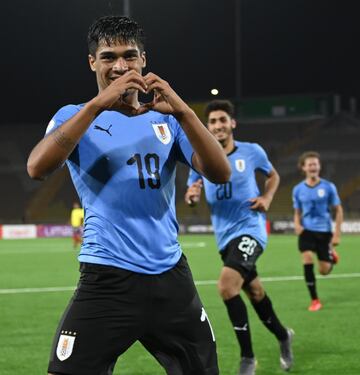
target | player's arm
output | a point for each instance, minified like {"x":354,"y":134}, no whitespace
{"x":262,"y":203}
{"x":209,"y":158}
{"x":339,"y":217}
{"x":297,"y":222}
{"x":51,"y":152}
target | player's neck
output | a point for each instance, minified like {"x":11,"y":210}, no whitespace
{"x":229,"y":146}
{"x":312,"y":181}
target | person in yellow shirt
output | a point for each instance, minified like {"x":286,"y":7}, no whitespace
{"x":77,"y":221}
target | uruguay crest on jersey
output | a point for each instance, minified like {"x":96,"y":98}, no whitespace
{"x":321,"y":193}
{"x":65,"y":345}
{"x":162,"y":132}
{"x":240,"y":165}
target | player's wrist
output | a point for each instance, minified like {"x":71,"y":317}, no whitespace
{"x":93,"y":107}
{"x":184,"y":114}
{"x":268,"y":197}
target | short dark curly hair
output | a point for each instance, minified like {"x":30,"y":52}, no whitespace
{"x":112,"y":29}
{"x":220,"y":105}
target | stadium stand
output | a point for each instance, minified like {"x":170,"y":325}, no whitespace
{"x":24,"y":200}
{"x":336,"y":138}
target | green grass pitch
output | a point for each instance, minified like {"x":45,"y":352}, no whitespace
{"x":326,"y":342}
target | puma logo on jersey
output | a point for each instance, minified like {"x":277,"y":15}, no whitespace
{"x":204,"y":318}
{"x":97,"y":127}
{"x":244,"y":328}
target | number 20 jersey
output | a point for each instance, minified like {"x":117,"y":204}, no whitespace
{"x":124,"y":172}
{"x":229,"y":203}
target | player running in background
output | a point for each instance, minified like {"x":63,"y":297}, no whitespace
{"x":135,"y":283}
{"x":314,"y":198}
{"x":238,"y":217}
{"x":77,"y":222}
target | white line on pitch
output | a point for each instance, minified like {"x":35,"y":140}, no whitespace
{"x":37,"y":290}
{"x":200,"y":282}
{"x":193,"y":244}
{"x":290,"y":278}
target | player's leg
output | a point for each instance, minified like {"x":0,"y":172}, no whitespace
{"x":327,"y":256}
{"x":184,"y":344}
{"x":264,"y":309}
{"x":178,"y":332}
{"x":100,"y":322}
{"x":309,"y":273}
{"x":325,"y":267}
{"x":229,"y":285}
{"x":239,"y":259}
{"x":310,"y":279}
{"x":307,"y":245}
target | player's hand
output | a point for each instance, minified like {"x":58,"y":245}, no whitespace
{"x":112,"y":97}
{"x":165,"y":99}
{"x":193,"y":193}
{"x":335,"y":241}
{"x":298,"y":229}
{"x":260,"y":203}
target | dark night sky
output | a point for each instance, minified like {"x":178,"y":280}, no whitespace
{"x":288,"y":47}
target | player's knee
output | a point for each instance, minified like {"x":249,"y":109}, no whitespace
{"x":325,"y":269}
{"x":227,"y":290}
{"x":307,"y":259}
{"x":256,"y":295}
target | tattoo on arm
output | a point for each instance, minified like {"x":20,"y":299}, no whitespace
{"x":63,"y":141}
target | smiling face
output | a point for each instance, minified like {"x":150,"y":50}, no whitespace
{"x":111,"y":61}
{"x":221,"y":125}
{"x":116,"y":45}
{"x":311,"y":168}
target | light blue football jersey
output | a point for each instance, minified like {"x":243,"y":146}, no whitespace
{"x":315,"y":203}
{"x":124,"y":172}
{"x":229,"y":203}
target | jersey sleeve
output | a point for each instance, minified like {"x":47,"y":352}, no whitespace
{"x":193,"y":177}
{"x":62,"y":115}
{"x":262,"y":161}
{"x":295,"y":199}
{"x":334,"y":196}
{"x":184,"y":150}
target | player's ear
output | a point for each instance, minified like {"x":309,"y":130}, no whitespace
{"x":143,"y":58}
{"x":233,"y":123}
{"x":92,"y":62}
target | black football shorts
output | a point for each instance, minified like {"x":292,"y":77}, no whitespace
{"x":241,"y":254}
{"x":112,"y":308}
{"x":317,"y":242}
